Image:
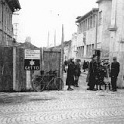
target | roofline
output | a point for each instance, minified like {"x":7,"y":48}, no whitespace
{"x":80,"y":18}
{"x":98,"y":1}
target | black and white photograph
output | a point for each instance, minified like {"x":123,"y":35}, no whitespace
{"x":62,"y":62}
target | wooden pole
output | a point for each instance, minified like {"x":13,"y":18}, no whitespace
{"x":55,"y":38}
{"x":2,"y":23}
{"x":62,"y":52}
{"x":14,"y":69}
{"x":48,"y":40}
{"x":96,"y":30}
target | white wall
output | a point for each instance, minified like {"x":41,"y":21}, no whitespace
{"x":117,"y":37}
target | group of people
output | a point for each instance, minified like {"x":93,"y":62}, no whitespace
{"x":99,"y":70}
{"x":85,"y":65}
{"x":73,"y":73}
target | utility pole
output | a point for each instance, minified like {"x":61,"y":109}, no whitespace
{"x":96,"y":30}
{"x":55,"y":38}
{"x":62,"y":52}
{"x":2,"y":43}
{"x":48,"y":40}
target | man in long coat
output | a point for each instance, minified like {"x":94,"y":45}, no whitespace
{"x":92,"y":70}
{"x":115,"y":68}
{"x":77,"y":72}
{"x":70,"y":74}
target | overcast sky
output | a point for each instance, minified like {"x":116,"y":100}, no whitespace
{"x":38,"y":17}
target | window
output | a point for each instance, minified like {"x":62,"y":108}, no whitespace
{"x":94,"y":21}
{"x":87,"y":50}
{"x":85,"y":24}
{"x":90,"y":50}
{"x":88,"y":23}
{"x":84,"y":37}
{"x":91,"y":22}
{"x":82,"y":51}
{"x":100,"y":17}
{"x":92,"y":46}
{"x":79,"y":28}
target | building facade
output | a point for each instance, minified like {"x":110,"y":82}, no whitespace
{"x":67,"y":50}
{"x":73,"y":53}
{"x":117,"y":37}
{"x":86,"y":34}
{"x":105,"y":32}
{"x":92,"y":30}
{"x":7,"y":7}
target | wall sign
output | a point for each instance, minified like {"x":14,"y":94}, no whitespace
{"x":32,"y":59}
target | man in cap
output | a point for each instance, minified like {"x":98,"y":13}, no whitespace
{"x":115,"y":68}
{"x":91,"y":76}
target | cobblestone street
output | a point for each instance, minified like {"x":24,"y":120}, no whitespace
{"x":63,"y":107}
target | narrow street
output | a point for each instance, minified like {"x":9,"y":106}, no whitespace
{"x":63,"y":107}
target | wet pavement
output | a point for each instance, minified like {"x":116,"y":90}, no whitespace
{"x":63,"y":107}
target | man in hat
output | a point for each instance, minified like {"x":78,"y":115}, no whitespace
{"x":115,"y":68}
{"x":92,"y":70}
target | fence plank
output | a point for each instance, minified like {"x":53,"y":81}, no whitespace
{"x":52,"y":60}
{"x":20,"y":72}
{"x":7,"y":69}
{"x":1,"y":68}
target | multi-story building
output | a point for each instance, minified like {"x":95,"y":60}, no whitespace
{"x":86,"y":34}
{"x":74,"y":46}
{"x":117,"y":36}
{"x":103,"y":28}
{"x":93,"y":31}
{"x":67,"y":50}
{"x":7,"y":7}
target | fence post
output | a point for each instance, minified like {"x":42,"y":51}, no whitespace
{"x":28,"y":80}
{"x":14,"y":68}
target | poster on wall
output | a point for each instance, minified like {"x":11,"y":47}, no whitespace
{"x":32,"y":59}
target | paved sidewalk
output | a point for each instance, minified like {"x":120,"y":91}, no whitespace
{"x":63,"y":107}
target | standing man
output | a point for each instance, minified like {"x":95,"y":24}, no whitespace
{"x":92,"y":71}
{"x":115,"y":68}
{"x":84,"y":65}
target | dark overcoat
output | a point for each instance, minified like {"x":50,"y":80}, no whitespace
{"x":115,"y":68}
{"x":70,"y":74}
{"x":77,"y":69}
{"x":91,"y":77}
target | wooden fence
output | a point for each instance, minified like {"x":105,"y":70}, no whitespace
{"x":6,"y":68}
{"x":13,"y":77}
